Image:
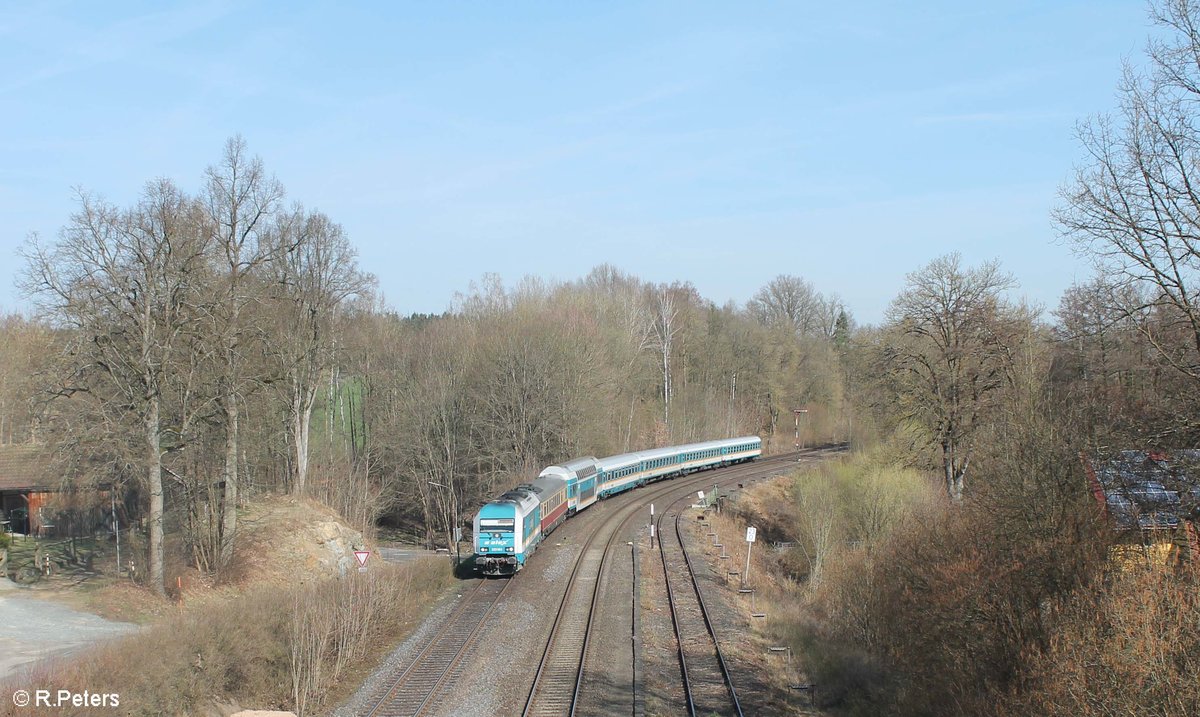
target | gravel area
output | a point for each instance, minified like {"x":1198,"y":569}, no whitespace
{"x":34,"y":629}
{"x":608,"y":670}
{"x":559,"y":565}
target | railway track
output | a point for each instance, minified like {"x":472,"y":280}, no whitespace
{"x":556,"y":684}
{"x":560,"y":675}
{"x":417,"y":688}
{"x":707,"y":684}
{"x":422,"y":685}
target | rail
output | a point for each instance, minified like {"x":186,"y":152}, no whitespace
{"x":415,"y":688}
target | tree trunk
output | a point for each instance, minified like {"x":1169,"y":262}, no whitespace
{"x":948,"y":469}
{"x":154,"y":479}
{"x":427,"y":510}
{"x":960,"y":475}
{"x":230,"y":476}
{"x":301,"y":408}
{"x":955,"y":475}
{"x":666,"y":358}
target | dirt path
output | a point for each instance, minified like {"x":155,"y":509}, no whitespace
{"x":32,"y":628}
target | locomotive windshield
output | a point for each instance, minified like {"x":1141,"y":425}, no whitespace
{"x":502,"y":525}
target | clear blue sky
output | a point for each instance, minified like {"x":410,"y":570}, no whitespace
{"x":720,"y":143}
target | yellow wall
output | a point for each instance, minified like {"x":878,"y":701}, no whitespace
{"x":1160,"y":551}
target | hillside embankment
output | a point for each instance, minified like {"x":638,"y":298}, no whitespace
{"x":814,"y":530}
{"x":292,"y":623}
{"x":895,"y":600}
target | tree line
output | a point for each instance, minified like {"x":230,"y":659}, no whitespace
{"x":462,"y":406}
{"x":189,"y":352}
{"x":1011,"y":593}
{"x":170,"y":322}
{"x":193,"y":352}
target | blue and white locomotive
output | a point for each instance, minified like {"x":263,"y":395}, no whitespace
{"x":509,"y":529}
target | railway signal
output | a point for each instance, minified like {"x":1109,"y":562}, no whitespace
{"x":652,"y":526}
{"x":798,"y":411}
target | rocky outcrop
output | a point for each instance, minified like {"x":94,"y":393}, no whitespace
{"x":286,"y":538}
{"x":337,"y":545}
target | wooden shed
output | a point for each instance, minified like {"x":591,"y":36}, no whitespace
{"x":25,"y":489}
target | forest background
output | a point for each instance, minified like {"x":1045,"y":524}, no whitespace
{"x":189,"y":353}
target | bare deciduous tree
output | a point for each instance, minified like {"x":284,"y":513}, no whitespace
{"x":830,"y":312}
{"x":240,"y":201}
{"x":1135,"y":205}
{"x":948,"y":352}
{"x":666,"y":325}
{"x":315,"y":271}
{"x":788,"y":301}
{"x":23,"y":354}
{"x":126,"y":283}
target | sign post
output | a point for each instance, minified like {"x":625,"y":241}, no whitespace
{"x":751,"y":534}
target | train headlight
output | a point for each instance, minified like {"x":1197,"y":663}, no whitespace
{"x":508,"y":549}
{"x":483,"y":550}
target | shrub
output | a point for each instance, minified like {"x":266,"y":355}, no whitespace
{"x":925,"y":607}
{"x":254,"y":649}
{"x":1132,"y":647}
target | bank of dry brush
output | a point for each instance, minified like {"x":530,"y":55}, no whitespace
{"x":296,"y":647}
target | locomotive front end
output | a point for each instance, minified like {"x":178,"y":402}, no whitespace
{"x":496,"y":544}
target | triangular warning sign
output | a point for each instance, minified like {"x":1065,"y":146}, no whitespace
{"x":362,"y":556}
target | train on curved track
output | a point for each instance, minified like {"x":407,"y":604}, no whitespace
{"x":510,"y":528}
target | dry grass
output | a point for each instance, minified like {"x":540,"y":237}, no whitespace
{"x":114,"y":599}
{"x":278,"y":630}
{"x":251,"y":650}
{"x":835,"y":516}
{"x":775,"y":594}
